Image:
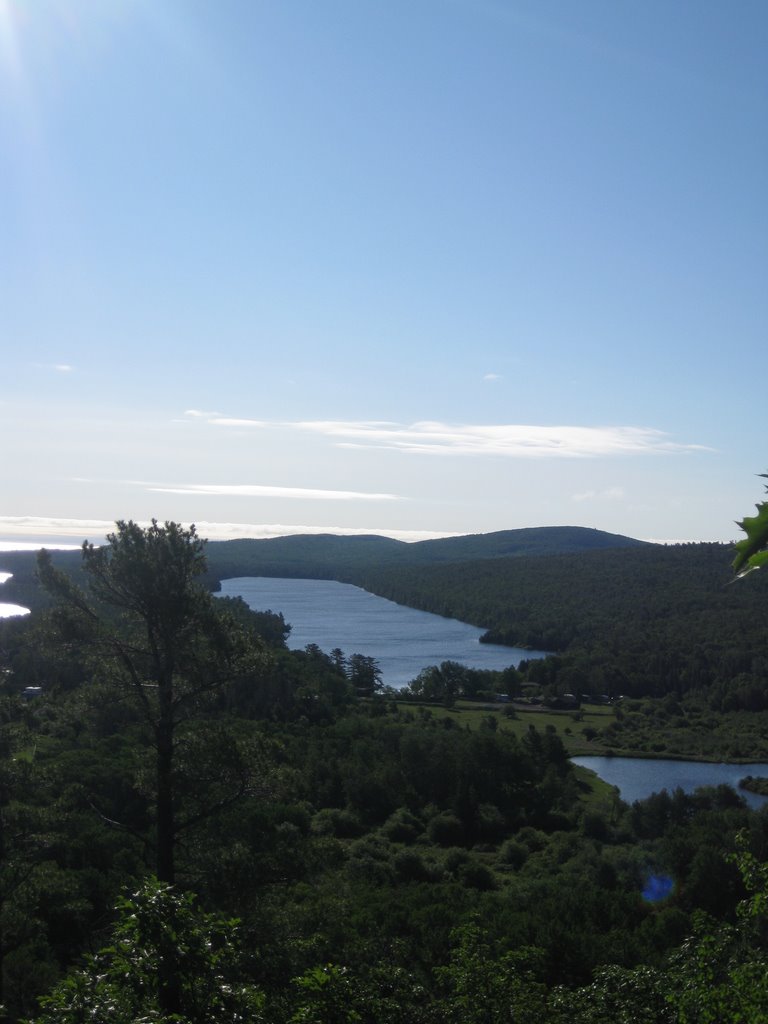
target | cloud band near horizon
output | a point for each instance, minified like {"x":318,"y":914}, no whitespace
{"x":507,"y":440}
{"x":267,"y":491}
{"x":27,"y":529}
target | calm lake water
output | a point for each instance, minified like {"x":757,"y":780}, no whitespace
{"x":402,"y":640}
{"x":637,"y":777}
{"x":8,"y":610}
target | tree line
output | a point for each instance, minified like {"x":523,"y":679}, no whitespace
{"x":647,"y":621}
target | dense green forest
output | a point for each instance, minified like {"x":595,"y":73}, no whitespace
{"x":182,"y":768}
{"x":647,"y":621}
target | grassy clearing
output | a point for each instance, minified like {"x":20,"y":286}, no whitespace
{"x":598,"y":795}
{"x":635,"y":728}
{"x":568,"y":725}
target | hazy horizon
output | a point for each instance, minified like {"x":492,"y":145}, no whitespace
{"x":73,"y":533}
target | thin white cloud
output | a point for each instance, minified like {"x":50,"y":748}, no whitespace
{"x":609,"y":494}
{"x":509,"y":440}
{"x":332,"y":428}
{"x":229,"y":421}
{"x":56,"y":367}
{"x":267,"y":491}
{"x":26,"y":527}
{"x":492,"y":377}
{"x":49,"y":541}
{"x":199,"y":414}
{"x":251,"y":491}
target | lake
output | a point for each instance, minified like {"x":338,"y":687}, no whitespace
{"x":637,"y":777}
{"x":402,"y":640}
{"x":9,"y":610}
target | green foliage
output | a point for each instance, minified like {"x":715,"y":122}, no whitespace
{"x":144,"y":617}
{"x":483,"y":988}
{"x":752,"y":552}
{"x":326,"y":997}
{"x":645,"y":621}
{"x":270,"y":626}
{"x":616,"y":996}
{"x":151,"y":630}
{"x":446,"y":830}
{"x":402,"y":827}
{"x":364,"y":674}
{"x":362,"y":842}
{"x":122,"y":983}
{"x":380,"y":993}
{"x":450,"y":680}
{"x":718,"y":976}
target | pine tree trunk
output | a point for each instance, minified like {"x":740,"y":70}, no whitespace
{"x":169,"y":995}
{"x":165,"y":819}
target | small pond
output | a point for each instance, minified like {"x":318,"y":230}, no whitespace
{"x":637,"y":777}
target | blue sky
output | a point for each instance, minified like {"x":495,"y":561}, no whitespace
{"x":414,"y":266}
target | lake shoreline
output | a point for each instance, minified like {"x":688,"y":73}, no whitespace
{"x":643,"y":755}
{"x":633,"y":782}
{"x":402,"y":640}
{"x":540,"y":717}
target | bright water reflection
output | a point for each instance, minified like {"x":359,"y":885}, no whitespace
{"x":637,"y":777}
{"x":402,"y":640}
{"x":7,"y":611}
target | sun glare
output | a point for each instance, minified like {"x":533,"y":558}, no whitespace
{"x":10,"y":60}
{"x":43,"y":37}
{"x":42,"y":31}
{"x":42,"y":44}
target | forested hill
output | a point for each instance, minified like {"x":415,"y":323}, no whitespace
{"x":327,"y":556}
{"x":649,"y":620}
{"x":344,"y":558}
{"x":557,"y":601}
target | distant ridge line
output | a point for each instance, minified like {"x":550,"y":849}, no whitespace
{"x":333,"y":556}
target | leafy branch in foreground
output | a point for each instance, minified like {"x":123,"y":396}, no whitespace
{"x":752,"y":552}
{"x":121,"y":982}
